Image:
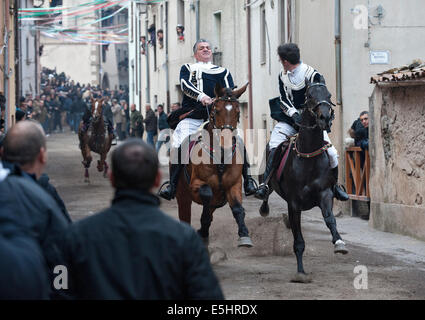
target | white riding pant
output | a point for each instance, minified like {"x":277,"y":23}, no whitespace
{"x":282,"y":131}
{"x":185,"y":128}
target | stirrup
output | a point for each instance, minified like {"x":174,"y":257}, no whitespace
{"x":246,"y":182}
{"x":162,"y":186}
{"x":263,"y":187}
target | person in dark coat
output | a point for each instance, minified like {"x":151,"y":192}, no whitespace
{"x":164,"y":136}
{"x":23,"y":199}
{"x":151,"y":124}
{"x":359,"y":131}
{"x":22,"y":265}
{"x":22,"y":156}
{"x":133,"y":250}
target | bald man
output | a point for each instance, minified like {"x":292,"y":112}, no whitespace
{"x":24,"y":149}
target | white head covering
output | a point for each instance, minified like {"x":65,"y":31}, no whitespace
{"x":3,"y":172}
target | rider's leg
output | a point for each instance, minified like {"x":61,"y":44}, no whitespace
{"x":281,"y":132}
{"x":175,"y":167}
{"x":185,"y":128}
{"x":338,"y":191}
{"x":249,"y":182}
{"x":263,"y":190}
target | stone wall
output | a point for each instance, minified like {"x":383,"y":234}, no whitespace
{"x":397,"y":151}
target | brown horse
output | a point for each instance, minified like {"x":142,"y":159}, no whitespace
{"x":96,"y":139}
{"x":217,"y":179}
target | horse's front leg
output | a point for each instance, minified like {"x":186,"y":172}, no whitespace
{"x":326,"y":205}
{"x":299,"y":244}
{"x":86,"y":162}
{"x":234,"y":197}
{"x":206,"y":195}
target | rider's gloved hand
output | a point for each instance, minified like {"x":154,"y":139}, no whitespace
{"x":297,"y":118}
{"x":206,"y":101}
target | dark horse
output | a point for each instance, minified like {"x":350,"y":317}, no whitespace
{"x":96,"y":139}
{"x":217,"y":179}
{"x":306,"y":180}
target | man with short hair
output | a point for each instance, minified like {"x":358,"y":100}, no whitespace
{"x":23,"y":199}
{"x":292,"y":87}
{"x":359,"y":131}
{"x":133,"y":250}
{"x":151,"y":124}
{"x":136,"y":120}
{"x":198,"y":81}
{"x":175,"y":106}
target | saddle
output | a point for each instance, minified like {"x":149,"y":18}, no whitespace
{"x":281,"y":156}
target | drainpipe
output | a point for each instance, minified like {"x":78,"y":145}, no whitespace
{"x":167,"y":71}
{"x":250,"y":106}
{"x":148,"y":97}
{"x":197,"y":20}
{"x":18,"y":63}
{"x":338,"y":50}
{"x":6,"y":65}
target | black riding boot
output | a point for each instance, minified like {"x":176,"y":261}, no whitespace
{"x":249,"y":184}
{"x":263,"y":190}
{"x":339,"y":193}
{"x":170,"y":191}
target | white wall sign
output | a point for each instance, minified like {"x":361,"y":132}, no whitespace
{"x":379,"y":57}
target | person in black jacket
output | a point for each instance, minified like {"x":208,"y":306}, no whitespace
{"x":151,"y":124}
{"x":24,"y":200}
{"x":23,"y":271}
{"x":24,"y":153}
{"x":133,"y":250}
{"x":198,"y":81}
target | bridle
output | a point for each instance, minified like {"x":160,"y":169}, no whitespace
{"x":311,"y":109}
{"x":213,"y":112}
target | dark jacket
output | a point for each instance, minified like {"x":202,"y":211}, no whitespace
{"x":361,"y":135}
{"x":190,"y":88}
{"x":23,"y":199}
{"x":23,"y":273}
{"x":43,"y":182}
{"x":162,"y":121}
{"x":151,"y":121}
{"x":133,"y":250}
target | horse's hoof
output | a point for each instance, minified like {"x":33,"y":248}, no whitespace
{"x":264,"y":209}
{"x":301,"y":278}
{"x":340,"y":247}
{"x":245,"y":242}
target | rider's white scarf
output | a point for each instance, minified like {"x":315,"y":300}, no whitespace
{"x":297,"y":75}
{"x":3,"y":172}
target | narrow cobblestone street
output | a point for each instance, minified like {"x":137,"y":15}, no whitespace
{"x":395,"y":264}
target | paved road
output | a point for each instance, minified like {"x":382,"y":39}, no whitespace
{"x":395,"y":264}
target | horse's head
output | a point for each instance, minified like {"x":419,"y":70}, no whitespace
{"x":318,"y":102}
{"x":96,"y":108}
{"x":225,"y":111}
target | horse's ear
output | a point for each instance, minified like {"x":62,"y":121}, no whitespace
{"x":241,"y":91}
{"x":219,"y":92}
{"x":307,"y":82}
{"x":322,"y":79}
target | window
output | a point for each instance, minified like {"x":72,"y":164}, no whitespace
{"x":217,"y":32}
{"x":180,"y":12}
{"x":263,"y":34}
{"x":285,"y":21}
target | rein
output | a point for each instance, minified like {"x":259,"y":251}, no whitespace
{"x":212,"y":114}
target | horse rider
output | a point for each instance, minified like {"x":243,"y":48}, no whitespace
{"x":107,"y":117}
{"x":292,"y":89}
{"x":198,"y":81}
